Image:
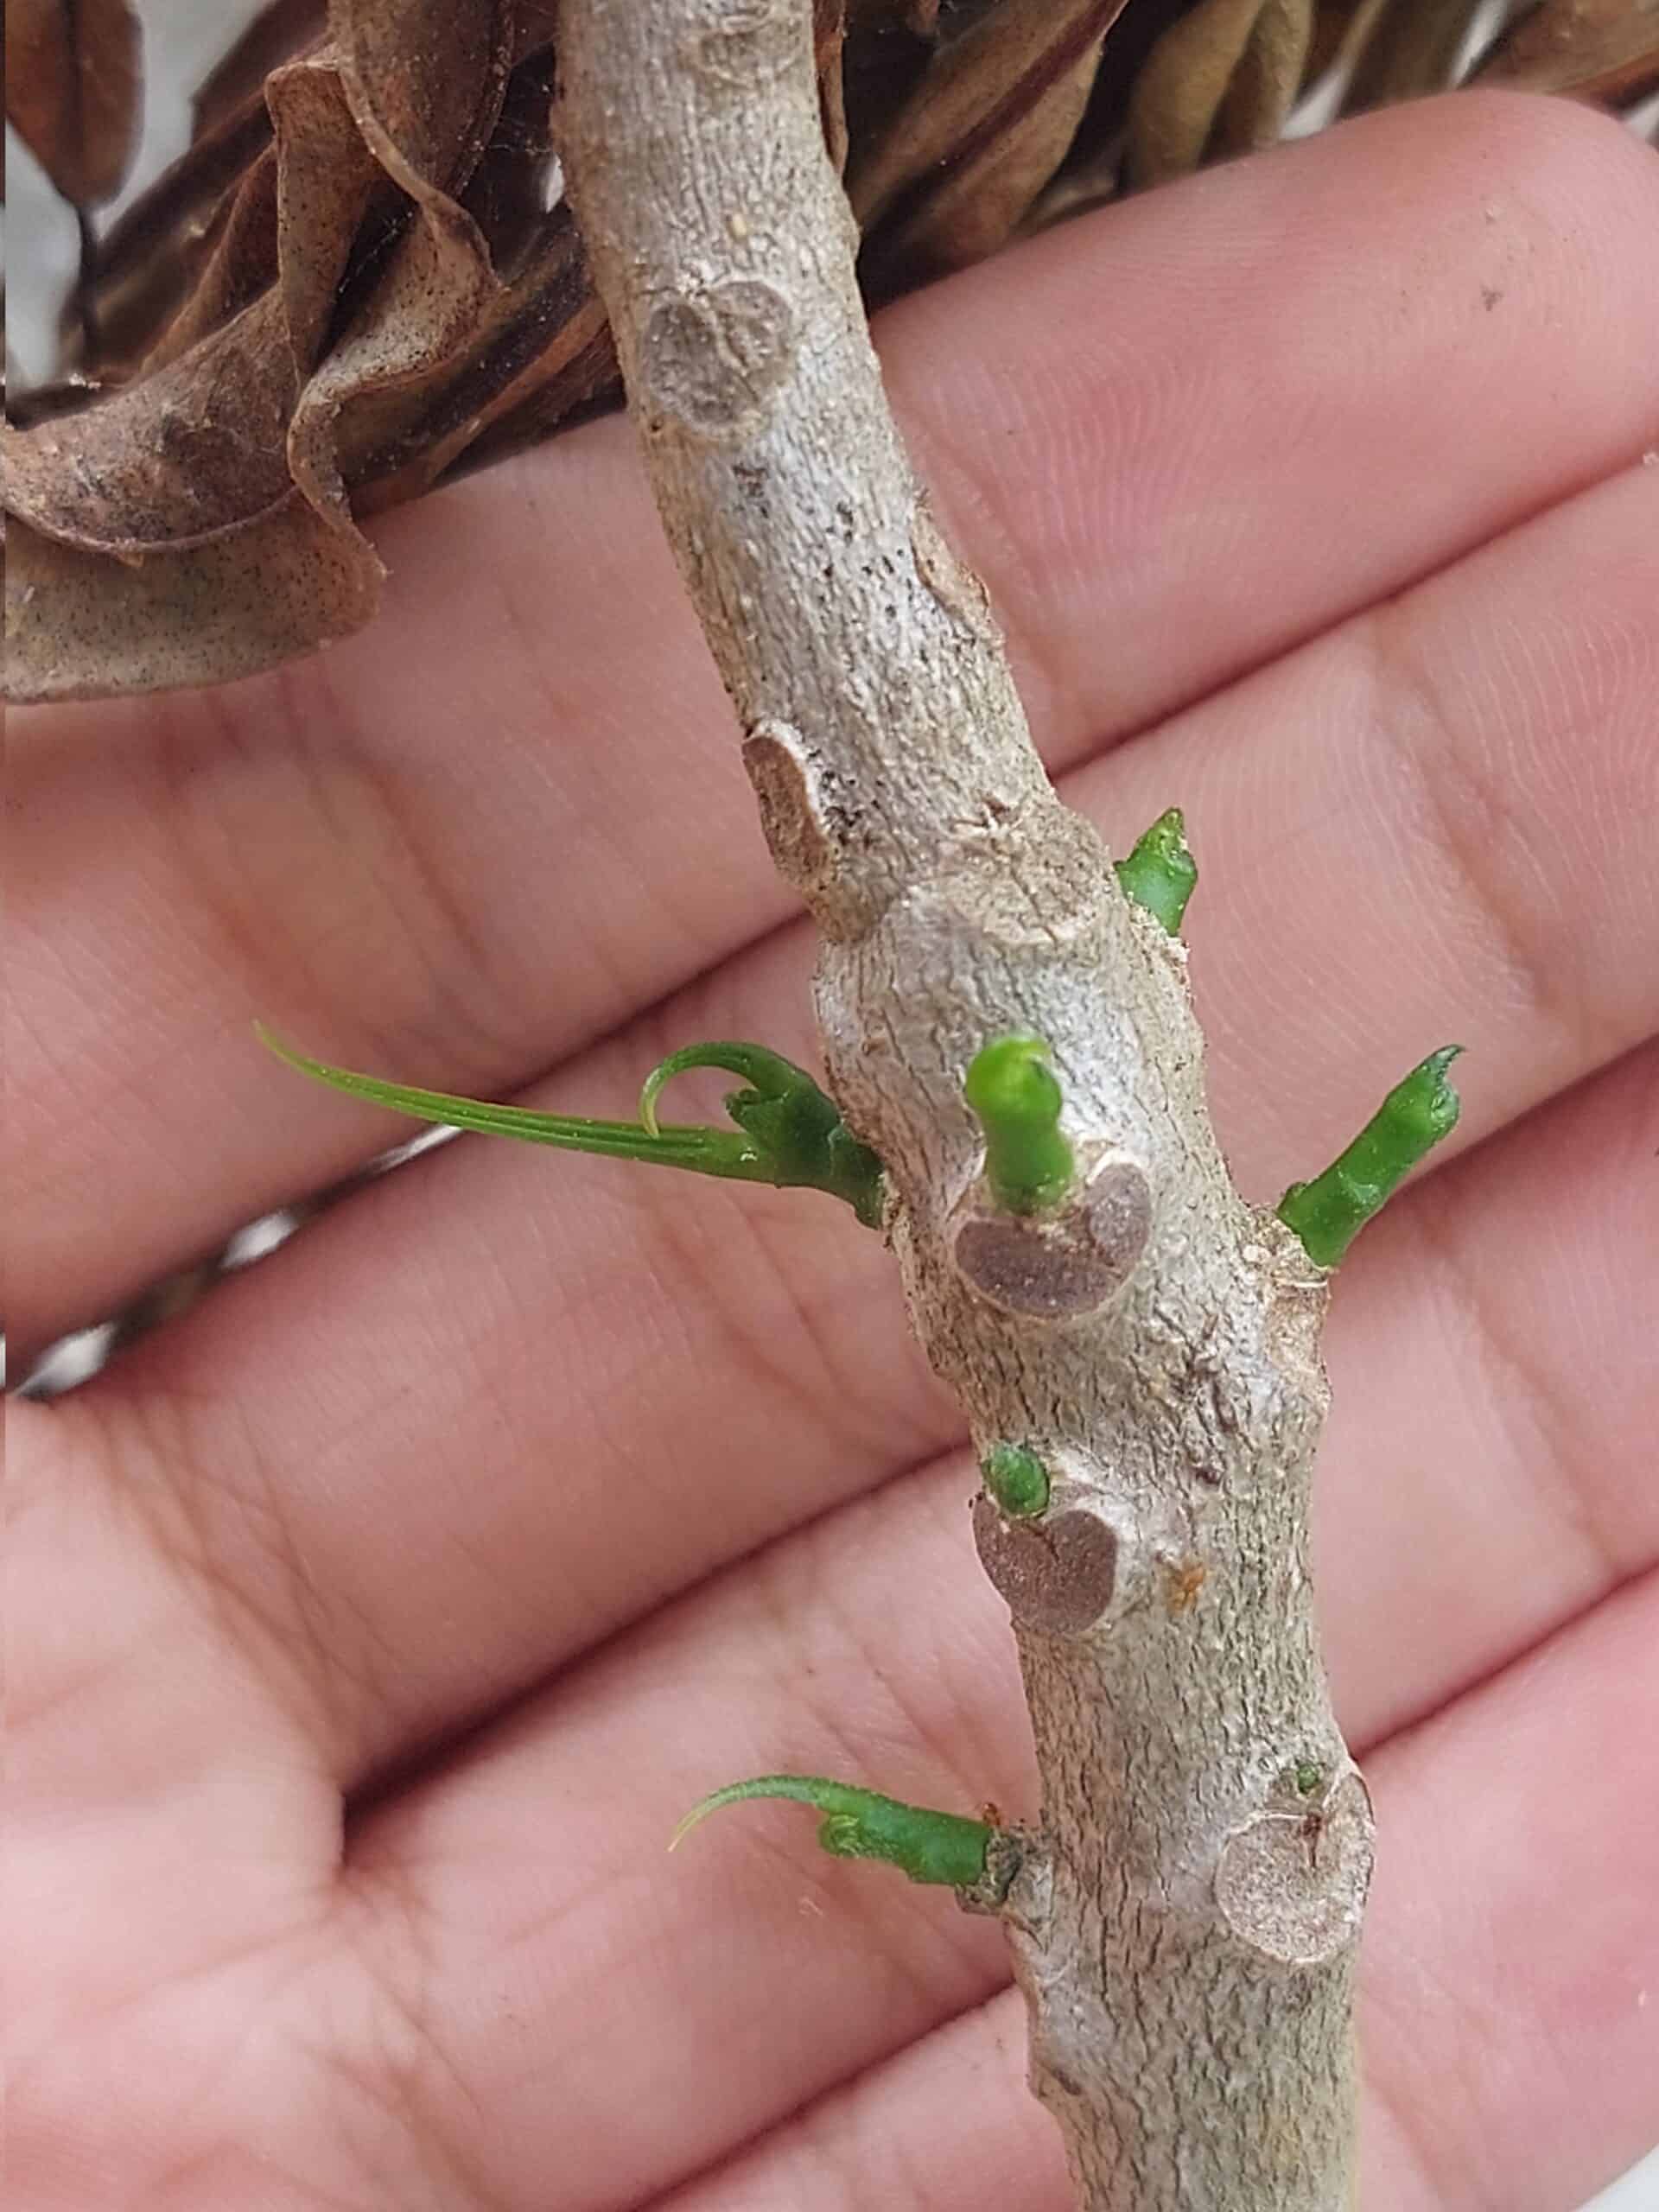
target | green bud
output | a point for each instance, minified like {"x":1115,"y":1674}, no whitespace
{"x":788,"y":1133}
{"x":929,"y":1847}
{"x":1329,"y":1212}
{"x":1016,"y":1478}
{"x":1160,"y":872}
{"x":1013,"y":1091}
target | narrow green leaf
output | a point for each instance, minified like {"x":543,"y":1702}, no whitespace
{"x":1158,"y":871}
{"x":788,"y":1133}
{"x":927,"y":1845}
{"x":1329,"y":1212}
{"x":707,"y":1151}
{"x":1013,"y":1089}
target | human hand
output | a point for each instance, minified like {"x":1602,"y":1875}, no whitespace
{"x":374,"y":1624}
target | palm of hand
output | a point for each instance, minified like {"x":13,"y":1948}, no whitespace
{"x":372,"y":1625}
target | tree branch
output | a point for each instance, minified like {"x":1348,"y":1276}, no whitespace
{"x":1185,"y":1917}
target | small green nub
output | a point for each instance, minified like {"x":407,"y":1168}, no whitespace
{"x":1016,"y":1478}
{"x":1309,"y":1775}
{"x":1329,"y":1212}
{"x":1013,"y":1089}
{"x":858,"y":1823}
{"x":1160,"y":871}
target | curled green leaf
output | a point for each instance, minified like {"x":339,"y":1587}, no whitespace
{"x":1329,"y":1212}
{"x":858,"y":1823}
{"x":795,"y":1124}
{"x":1158,"y":871}
{"x":1016,"y":1478}
{"x":789,"y":1133}
{"x":1013,"y":1091}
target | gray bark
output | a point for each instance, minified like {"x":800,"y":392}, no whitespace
{"x":1186,"y":1914}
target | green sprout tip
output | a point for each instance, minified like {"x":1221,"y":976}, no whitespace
{"x":1014,"y":1093}
{"x":1158,"y":871}
{"x":928,"y":1846}
{"x":1329,"y":1212}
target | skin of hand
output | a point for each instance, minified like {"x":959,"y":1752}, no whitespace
{"x":372,"y":1625}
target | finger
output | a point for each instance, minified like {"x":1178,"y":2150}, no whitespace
{"x":756,"y":1973}
{"x":162,"y":1808}
{"x":644,"y":1378}
{"x":1504,"y":2068}
{"x":511,"y":814}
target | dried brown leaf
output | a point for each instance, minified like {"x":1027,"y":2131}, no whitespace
{"x":326,"y":181}
{"x":1594,"y":49}
{"x":1179,"y":97}
{"x":987,"y":126}
{"x":1268,"y":78}
{"x":277,"y":34}
{"x":236,"y":264}
{"x":73,"y":90}
{"x":538,"y":405}
{"x":181,"y":457}
{"x":1413,"y":49}
{"x":508,"y":195}
{"x":543,"y":348}
{"x":426,"y":108}
{"x":425,"y":80}
{"x":1094,"y":169}
{"x":82,"y":625}
{"x":253,"y":385}
{"x":156,"y":250}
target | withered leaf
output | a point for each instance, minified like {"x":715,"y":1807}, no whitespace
{"x":182,"y":457}
{"x":82,"y":625}
{"x":1595,"y":50}
{"x":236,"y":263}
{"x":1228,"y":71}
{"x":73,"y":90}
{"x":425,"y":80}
{"x":326,"y":181}
{"x":543,"y":348}
{"x":228,"y":439}
{"x":1094,"y":167}
{"x":276,"y":35}
{"x":156,"y":250}
{"x":987,"y":125}
{"x":1413,"y":48}
{"x":195,"y":448}
{"x":1268,"y":78}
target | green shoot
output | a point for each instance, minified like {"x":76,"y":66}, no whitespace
{"x":1160,"y":872}
{"x":1013,"y":1089}
{"x":1329,"y":1212}
{"x":788,"y":1134}
{"x":929,"y":1847}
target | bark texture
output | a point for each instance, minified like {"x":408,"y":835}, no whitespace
{"x":1186,"y":1914}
